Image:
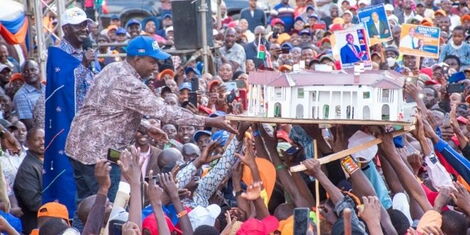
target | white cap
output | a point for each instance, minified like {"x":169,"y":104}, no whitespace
{"x":204,"y":216}
{"x":169,"y":29}
{"x":389,"y":7}
{"x":366,"y":2}
{"x":348,"y":12}
{"x":365,"y":155}
{"x":74,"y":15}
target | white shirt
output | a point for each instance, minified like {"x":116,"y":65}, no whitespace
{"x":10,"y":164}
{"x":408,"y":42}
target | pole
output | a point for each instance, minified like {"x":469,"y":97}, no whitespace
{"x":317,"y":190}
{"x":60,"y":11}
{"x":203,"y":11}
{"x":40,"y":37}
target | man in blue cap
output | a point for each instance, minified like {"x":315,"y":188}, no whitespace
{"x":133,"y":28}
{"x":119,"y":97}
{"x":115,"y":20}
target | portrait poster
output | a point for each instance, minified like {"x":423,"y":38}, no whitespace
{"x":420,"y":41}
{"x":375,"y":20}
{"x":351,"y":47}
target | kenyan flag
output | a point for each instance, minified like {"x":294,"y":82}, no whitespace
{"x":261,"y":52}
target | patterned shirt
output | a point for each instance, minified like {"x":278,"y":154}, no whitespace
{"x":10,"y":164}
{"x":113,"y":109}
{"x":25,"y":99}
{"x":236,"y":54}
{"x":209,"y":183}
{"x":83,"y":75}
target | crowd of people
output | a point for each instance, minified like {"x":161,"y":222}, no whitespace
{"x":140,"y":144}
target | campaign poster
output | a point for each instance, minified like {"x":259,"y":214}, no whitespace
{"x":420,"y":41}
{"x":351,"y":47}
{"x":376,"y":22}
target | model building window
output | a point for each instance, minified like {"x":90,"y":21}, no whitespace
{"x":300,"y":93}
{"x":314,"y":96}
{"x":278,"y":92}
{"x":314,"y":108}
{"x":349,"y":112}
{"x":366,"y":112}
{"x":385,"y":112}
{"x":326,"y":111}
{"x":366,"y":95}
{"x":385,"y":96}
{"x":299,"y":111}
{"x":338,"y":111}
{"x":277,"y":110}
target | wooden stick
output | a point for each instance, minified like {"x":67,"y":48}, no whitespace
{"x":347,"y":152}
{"x":347,"y":221}
{"x":317,"y":190}
{"x":317,"y":121}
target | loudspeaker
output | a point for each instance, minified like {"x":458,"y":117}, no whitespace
{"x":187,"y":24}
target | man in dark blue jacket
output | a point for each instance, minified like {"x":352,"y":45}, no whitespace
{"x":251,"y":49}
{"x":253,"y":15}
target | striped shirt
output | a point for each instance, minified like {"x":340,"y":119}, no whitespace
{"x":25,"y":99}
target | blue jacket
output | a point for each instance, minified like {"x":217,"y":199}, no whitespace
{"x":251,"y":51}
{"x":258,"y":18}
{"x":347,"y":55}
{"x":284,"y":12}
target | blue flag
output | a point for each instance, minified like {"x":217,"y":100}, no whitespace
{"x":58,"y":180}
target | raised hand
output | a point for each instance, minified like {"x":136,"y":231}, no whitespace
{"x":168,"y":183}
{"x":102,"y":169}
{"x":131,"y":168}
{"x":154,"y":192}
{"x":253,"y":191}
{"x":154,"y":130}
{"x":130,"y":228}
{"x":370,"y":211}
{"x":461,"y":197}
{"x":313,"y":166}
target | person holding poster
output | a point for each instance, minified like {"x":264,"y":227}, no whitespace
{"x":375,"y":20}
{"x":376,"y":28}
{"x":351,"y":53}
{"x":409,"y":40}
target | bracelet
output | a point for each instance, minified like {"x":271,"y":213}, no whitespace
{"x":182,"y":213}
{"x":280,"y":167}
{"x":256,"y":133}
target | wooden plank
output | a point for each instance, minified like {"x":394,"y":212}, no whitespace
{"x":317,"y":121}
{"x":347,"y":152}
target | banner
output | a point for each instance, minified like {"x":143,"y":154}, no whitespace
{"x":420,"y":41}
{"x":375,"y":21}
{"x":351,"y":47}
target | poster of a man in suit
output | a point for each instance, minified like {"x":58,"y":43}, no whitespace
{"x":351,"y":47}
{"x":376,"y":21}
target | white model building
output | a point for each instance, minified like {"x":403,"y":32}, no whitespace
{"x":373,"y":95}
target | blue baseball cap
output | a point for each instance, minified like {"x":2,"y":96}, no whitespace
{"x":191,"y":69}
{"x":185,"y":85}
{"x":121,"y":30}
{"x":287,"y":46}
{"x":218,"y":114}
{"x":200,"y":133}
{"x":146,"y":46}
{"x":221,"y":137}
{"x":305,"y":31}
{"x":309,"y":7}
{"x":313,"y":16}
{"x":299,"y":18}
{"x":167,"y":15}
{"x":132,"y":22}
{"x":115,"y":17}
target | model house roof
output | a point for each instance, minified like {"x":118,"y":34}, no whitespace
{"x":380,"y":79}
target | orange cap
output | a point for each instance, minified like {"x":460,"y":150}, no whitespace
{"x":465,"y":17}
{"x":16,"y":76}
{"x":440,"y":11}
{"x":165,"y":72}
{"x":111,"y":27}
{"x":285,"y":68}
{"x":54,"y":209}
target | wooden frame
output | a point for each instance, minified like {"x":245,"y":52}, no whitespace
{"x":241,"y":118}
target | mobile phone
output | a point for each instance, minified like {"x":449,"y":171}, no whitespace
{"x":231,"y":97}
{"x":230,"y":86}
{"x":115,"y":227}
{"x":194,"y":84}
{"x":193,"y":98}
{"x":243,"y":96}
{"x":301,"y":217}
{"x":240,"y":83}
{"x":113,"y":155}
{"x":292,"y":151}
{"x":455,"y":88}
